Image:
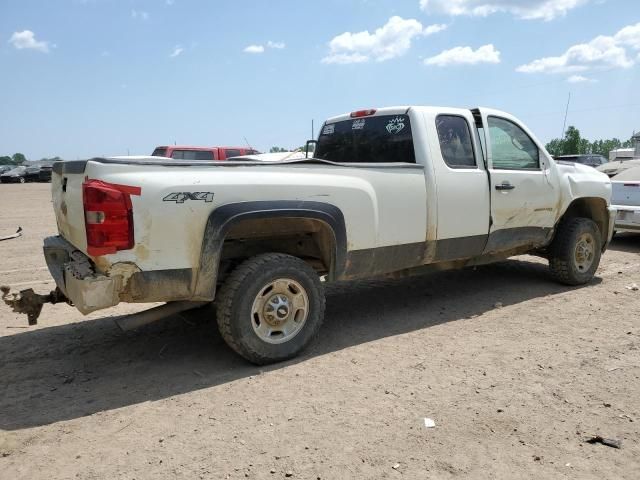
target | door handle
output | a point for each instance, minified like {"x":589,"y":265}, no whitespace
{"x":505,"y":186}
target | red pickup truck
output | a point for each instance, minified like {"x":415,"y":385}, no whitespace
{"x":180,"y":152}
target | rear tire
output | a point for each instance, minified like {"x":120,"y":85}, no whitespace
{"x":575,"y":251}
{"x":270,"y":307}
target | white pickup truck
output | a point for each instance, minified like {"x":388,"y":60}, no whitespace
{"x":392,"y":191}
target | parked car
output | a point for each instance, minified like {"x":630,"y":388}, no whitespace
{"x":45,"y":173}
{"x":16,"y":175}
{"x":626,"y":199}
{"x":32,"y":174}
{"x":614,"y":168}
{"x":591,"y":160}
{"x":201,"y":153}
{"x":392,"y":191}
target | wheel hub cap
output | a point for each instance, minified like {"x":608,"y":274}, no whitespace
{"x":279,"y":310}
{"x":584,"y":252}
{"x":276,"y":309}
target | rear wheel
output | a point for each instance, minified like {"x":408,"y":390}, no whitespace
{"x":575,"y":252}
{"x":270,"y":307}
{"x":21,"y":180}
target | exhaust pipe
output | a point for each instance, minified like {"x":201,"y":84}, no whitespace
{"x":137,"y":320}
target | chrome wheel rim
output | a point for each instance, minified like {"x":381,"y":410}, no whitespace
{"x":279,"y":311}
{"x":584,"y":252}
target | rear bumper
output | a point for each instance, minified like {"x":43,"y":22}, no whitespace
{"x":90,"y":290}
{"x":627,"y":218}
{"x":74,"y":274}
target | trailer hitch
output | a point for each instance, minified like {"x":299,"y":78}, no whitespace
{"x":29,"y":302}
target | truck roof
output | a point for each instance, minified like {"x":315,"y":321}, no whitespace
{"x":196,"y":147}
{"x":403,"y":110}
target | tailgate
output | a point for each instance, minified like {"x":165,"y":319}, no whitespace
{"x":66,"y":192}
{"x":625,"y":193}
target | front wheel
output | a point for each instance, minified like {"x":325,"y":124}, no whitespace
{"x":22,"y":180}
{"x":270,"y":307}
{"x":575,"y":251}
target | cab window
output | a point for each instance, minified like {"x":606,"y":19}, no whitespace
{"x":455,"y":141}
{"x":376,"y":139}
{"x":192,"y":155}
{"x":511,"y":147}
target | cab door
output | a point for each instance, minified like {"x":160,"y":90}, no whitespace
{"x":462,"y":188}
{"x":523,"y":197}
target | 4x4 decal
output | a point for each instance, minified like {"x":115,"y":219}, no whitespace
{"x":181,"y":197}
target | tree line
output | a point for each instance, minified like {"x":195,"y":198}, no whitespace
{"x":20,"y":159}
{"x":573,"y":144}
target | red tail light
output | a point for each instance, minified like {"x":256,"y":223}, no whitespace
{"x":363,"y":113}
{"x":108,"y":216}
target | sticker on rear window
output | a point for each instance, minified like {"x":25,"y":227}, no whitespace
{"x":328,"y":129}
{"x":358,"y":124}
{"x":395,"y":125}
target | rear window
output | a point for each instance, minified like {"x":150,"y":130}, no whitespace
{"x":382,"y":139}
{"x":159,"y":152}
{"x":192,"y":155}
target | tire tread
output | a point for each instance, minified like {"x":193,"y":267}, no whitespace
{"x":233,"y":283}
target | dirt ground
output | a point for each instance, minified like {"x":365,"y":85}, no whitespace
{"x":513,"y":391}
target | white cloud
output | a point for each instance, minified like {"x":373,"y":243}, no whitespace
{"x":276,"y":45}
{"x":527,"y":9}
{"x":435,"y":28}
{"x":601,"y":52}
{"x":139,"y":14}
{"x":254,"y":49}
{"x":177,"y":50}
{"x":629,"y":36}
{"x":27,"y":40}
{"x":261,"y":48}
{"x":579,"y":79}
{"x":389,"y":41}
{"x":465,"y":56}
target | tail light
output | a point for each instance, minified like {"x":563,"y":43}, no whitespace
{"x":108,"y":216}
{"x":363,"y":113}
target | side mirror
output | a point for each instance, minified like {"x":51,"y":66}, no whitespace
{"x":307,"y":149}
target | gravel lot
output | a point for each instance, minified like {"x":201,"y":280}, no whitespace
{"x":513,"y":391}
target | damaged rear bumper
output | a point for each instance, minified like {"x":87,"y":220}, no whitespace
{"x":76,"y":277}
{"x":80,"y":283}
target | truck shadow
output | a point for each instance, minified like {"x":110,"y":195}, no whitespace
{"x":74,"y":370}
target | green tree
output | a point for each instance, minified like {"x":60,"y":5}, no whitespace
{"x":571,"y":141}
{"x":277,"y":150}
{"x":584,"y":146}
{"x":554,"y":147}
{"x":6,"y":160}
{"x":18,"y":158}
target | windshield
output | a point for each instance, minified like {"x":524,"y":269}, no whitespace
{"x":382,"y":139}
{"x":159,"y":152}
{"x":17,"y":171}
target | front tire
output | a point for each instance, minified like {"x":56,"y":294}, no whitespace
{"x":270,"y":308}
{"x":575,"y":251}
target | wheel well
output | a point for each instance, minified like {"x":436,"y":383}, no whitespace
{"x":309,"y":239}
{"x":589,"y":207}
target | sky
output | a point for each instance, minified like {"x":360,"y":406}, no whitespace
{"x":82,"y":78}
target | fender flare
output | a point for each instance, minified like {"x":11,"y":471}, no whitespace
{"x":225,"y":216}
